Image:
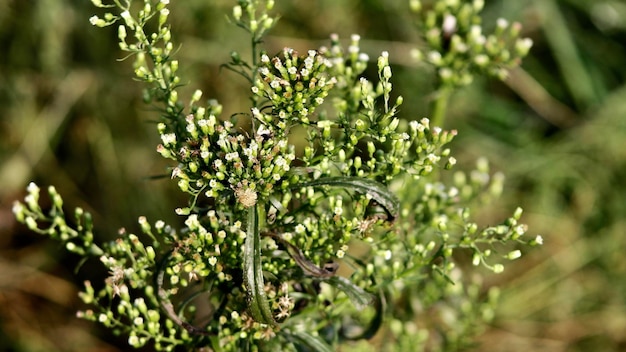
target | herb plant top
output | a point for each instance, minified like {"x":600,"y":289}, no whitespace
{"x":288,"y":249}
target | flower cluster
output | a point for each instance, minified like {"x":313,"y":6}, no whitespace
{"x":347,"y":66}
{"x":221,"y":163}
{"x":368,"y":139}
{"x":253,"y":16}
{"x":459,"y":49}
{"x":78,"y":238}
{"x":294,"y":87}
{"x":214,"y":158}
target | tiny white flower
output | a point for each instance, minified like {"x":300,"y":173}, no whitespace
{"x":434,"y":57}
{"x":502,"y":23}
{"x":32,"y":188}
{"x":168,"y":138}
{"x":95,"y":20}
{"x":449,"y":24}
{"x":387,"y":254}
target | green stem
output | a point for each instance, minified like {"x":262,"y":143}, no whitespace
{"x":255,"y":68}
{"x":439,"y":106}
{"x":166,"y":304}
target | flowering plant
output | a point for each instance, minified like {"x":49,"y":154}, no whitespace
{"x":288,"y":249}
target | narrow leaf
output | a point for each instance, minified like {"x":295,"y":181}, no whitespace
{"x":253,"y":273}
{"x":359,"y":297}
{"x":367,"y":332}
{"x":374,"y":189}
{"x":307,"y":342}
{"x":307,"y":266}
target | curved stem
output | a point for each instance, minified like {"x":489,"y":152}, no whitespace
{"x":307,"y":266}
{"x":166,"y":303}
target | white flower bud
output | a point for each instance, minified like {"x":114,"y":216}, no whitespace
{"x":237,"y":12}
{"x":128,"y":19}
{"x":498,"y":268}
{"x":415,"y":5}
{"x":514,"y":254}
{"x":522,"y":46}
{"x":97,"y":21}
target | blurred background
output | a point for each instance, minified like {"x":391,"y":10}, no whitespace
{"x":71,"y":116}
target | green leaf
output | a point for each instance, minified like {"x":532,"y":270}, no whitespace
{"x":374,"y":189}
{"x":365,"y":332}
{"x":253,"y":273}
{"x":359,"y":297}
{"x":307,"y":266}
{"x":307,"y":342}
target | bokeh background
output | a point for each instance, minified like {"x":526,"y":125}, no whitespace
{"x":71,"y":116}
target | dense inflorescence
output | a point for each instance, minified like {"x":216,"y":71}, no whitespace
{"x":268,"y":227}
